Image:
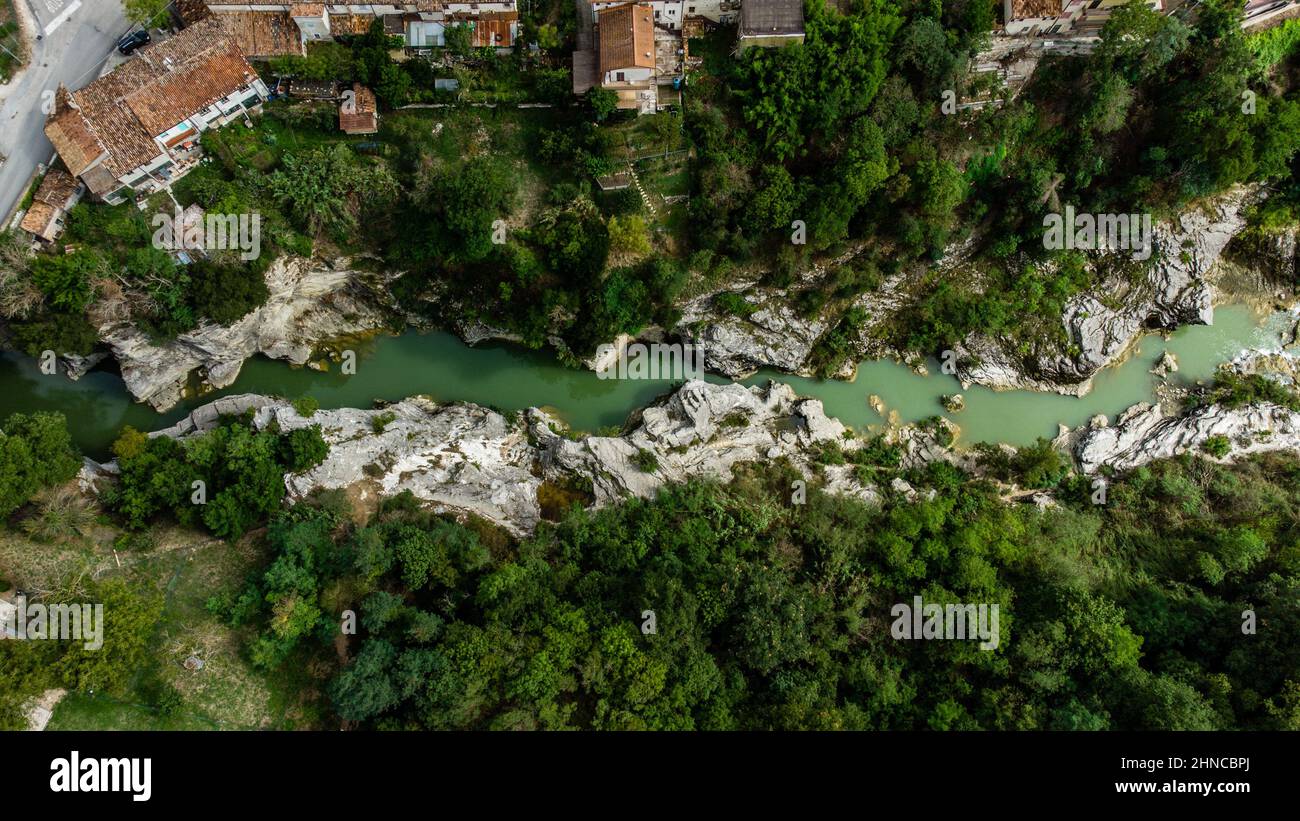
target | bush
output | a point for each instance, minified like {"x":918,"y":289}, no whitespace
{"x":1217,"y":446}
{"x":646,"y":460}
{"x":734,"y":304}
{"x":226,"y":293}
{"x":380,"y":422}
{"x":53,"y":331}
{"x":65,"y":279}
{"x":241,"y":471}
{"x":62,"y":515}
{"x":303,"y":449}
{"x":36,"y":452}
{"x":1039,"y":465}
{"x":306,"y":406}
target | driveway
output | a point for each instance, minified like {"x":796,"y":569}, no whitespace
{"x":72,"y":55}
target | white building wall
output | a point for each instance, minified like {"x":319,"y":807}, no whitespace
{"x":630,"y":75}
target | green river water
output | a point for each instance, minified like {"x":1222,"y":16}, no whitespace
{"x":509,"y":378}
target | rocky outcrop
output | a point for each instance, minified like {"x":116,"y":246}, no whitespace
{"x":1145,"y":433}
{"x":701,"y":430}
{"x":1102,"y":323}
{"x":310,"y":304}
{"x":466,"y":458}
{"x":774,"y":335}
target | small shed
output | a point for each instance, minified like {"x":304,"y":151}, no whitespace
{"x":359,"y":111}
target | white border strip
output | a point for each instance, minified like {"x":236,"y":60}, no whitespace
{"x":62,"y":18}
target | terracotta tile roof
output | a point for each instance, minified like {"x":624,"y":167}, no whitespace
{"x":492,"y":29}
{"x":71,"y":134}
{"x":363,"y":118}
{"x":306,"y":9}
{"x":39,"y":220}
{"x":189,"y":89}
{"x":120,"y":113}
{"x":1022,"y":9}
{"x":56,"y":189}
{"x":627,"y":37}
{"x":351,"y":24}
{"x":192,"y":11}
{"x":264,"y":33}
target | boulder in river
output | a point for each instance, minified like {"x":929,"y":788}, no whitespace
{"x":1167,"y":364}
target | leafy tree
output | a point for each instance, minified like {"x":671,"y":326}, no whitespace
{"x":36,"y":452}
{"x":602,"y":102}
{"x":147,"y":13}
{"x":66,"y":279}
{"x":325,"y":188}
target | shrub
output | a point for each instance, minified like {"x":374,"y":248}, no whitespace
{"x":306,"y":406}
{"x":62,"y":515}
{"x":303,"y":449}
{"x":35,"y":452}
{"x":380,"y":422}
{"x":646,"y":460}
{"x":734,"y":304}
{"x":1217,"y":446}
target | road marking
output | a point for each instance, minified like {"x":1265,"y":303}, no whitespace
{"x":62,"y":18}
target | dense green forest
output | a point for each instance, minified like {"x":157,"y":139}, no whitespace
{"x":775,"y":615}
{"x":1172,"y":605}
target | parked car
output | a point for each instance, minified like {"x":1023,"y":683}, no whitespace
{"x":133,"y":41}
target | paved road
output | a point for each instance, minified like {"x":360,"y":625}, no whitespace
{"x":73,"y":55}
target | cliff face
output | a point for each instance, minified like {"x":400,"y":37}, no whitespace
{"x":310,"y":304}
{"x":1145,"y":433}
{"x":1103,"y":322}
{"x":1099,"y":324}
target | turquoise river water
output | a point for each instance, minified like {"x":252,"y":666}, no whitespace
{"x":509,"y":378}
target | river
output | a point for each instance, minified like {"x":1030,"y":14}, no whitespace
{"x":511,"y":378}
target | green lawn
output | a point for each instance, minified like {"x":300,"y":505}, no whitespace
{"x":85,"y":712}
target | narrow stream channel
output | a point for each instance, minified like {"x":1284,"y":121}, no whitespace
{"x":510,"y":378}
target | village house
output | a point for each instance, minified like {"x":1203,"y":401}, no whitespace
{"x":625,"y":55}
{"x":1072,"y":18}
{"x":358,"y":113}
{"x":53,"y":199}
{"x":770,"y":23}
{"x":136,"y":129}
{"x":672,"y":14}
{"x":266,"y":30}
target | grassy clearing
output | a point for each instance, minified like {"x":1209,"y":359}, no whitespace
{"x":188,"y":569}
{"x":78,"y":711}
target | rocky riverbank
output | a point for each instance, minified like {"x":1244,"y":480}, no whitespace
{"x":1100,"y":325}
{"x":462,"y":457}
{"x":312,"y":303}
{"x":1145,"y":433}
{"x":465,"y":458}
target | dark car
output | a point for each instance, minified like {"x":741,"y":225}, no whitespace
{"x":133,"y":41}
